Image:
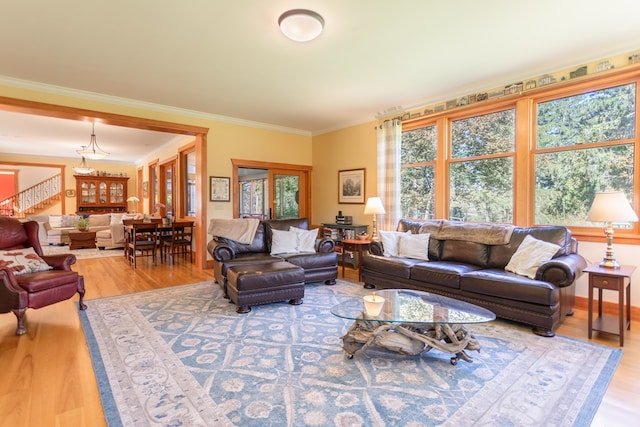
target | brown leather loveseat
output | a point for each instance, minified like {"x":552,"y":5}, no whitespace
{"x":319,"y":266}
{"x":460,"y":266}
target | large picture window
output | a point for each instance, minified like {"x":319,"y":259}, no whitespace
{"x":584,"y":144}
{"x":417,"y":178}
{"x":481,"y":169}
{"x":532,"y":159}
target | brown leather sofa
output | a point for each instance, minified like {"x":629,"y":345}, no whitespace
{"x":475,"y":272}
{"x":321,"y":266}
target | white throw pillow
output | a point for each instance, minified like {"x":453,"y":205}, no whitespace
{"x":531,"y":254}
{"x":390,"y":240}
{"x":414,"y":246}
{"x":55,"y":221}
{"x":116,"y":219}
{"x":306,"y":239}
{"x":23,"y":261}
{"x":283,"y":242}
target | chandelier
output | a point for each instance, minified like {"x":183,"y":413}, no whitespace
{"x":83,"y":168}
{"x":92,"y":151}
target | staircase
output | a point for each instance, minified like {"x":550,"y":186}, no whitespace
{"x":34,"y":199}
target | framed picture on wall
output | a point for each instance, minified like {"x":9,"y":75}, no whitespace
{"x":219,"y":188}
{"x":145,"y":189}
{"x":351,"y":185}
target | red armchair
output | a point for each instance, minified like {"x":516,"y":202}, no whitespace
{"x":33,"y":289}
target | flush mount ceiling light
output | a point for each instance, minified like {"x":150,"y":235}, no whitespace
{"x":92,"y":151}
{"x":301,"y":25}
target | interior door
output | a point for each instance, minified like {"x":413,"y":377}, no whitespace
{"x":286,"y":189}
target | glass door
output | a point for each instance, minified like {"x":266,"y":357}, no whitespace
{"x":285,"y":193}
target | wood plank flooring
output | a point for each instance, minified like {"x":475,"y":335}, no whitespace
{"x":46,"y":376}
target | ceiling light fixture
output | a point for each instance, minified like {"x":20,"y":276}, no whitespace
{"x":92,"y":151}
{"x":83,"y":168}
{"x":301,"y":25}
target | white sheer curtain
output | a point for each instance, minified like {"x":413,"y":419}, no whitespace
{"x":389,"y":144}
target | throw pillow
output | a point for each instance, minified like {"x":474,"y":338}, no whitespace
{"x":283,"y":242}
{"x":390,"y":241}
{"x":23,"y":261}
{"x":69,"y":220}
{"x":531,"y":254}
{"x":55,"y":221}
{"x":99,"y":220}
{"x":306,"y":239}
{"x":116,"y":218}
{"x":414,"y":246}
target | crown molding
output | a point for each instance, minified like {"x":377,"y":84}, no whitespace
{"x":126,"y":102}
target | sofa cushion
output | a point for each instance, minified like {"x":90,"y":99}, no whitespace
{"x":531,"y":254}
{"x":503,"y":284}
{"x":465,"y":252}
{"x":444,"y":273}
{"x":312,"y":261}
{"x":23,"y":261}
{"x":55,"y":221}
{"x":99,"y":220}
{"x":391,"y":266}
{"x":414,"y":246}
{"x":70,"y":220}
{"x":558,"y":235}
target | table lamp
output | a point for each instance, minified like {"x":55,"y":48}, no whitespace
{"x":135,"y":201}
{"x":374,"y":207}
{"x":610,"y":207}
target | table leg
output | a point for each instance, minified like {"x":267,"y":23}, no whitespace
{"x":590,"y":307}
{"x":621,"y":310}
{"x":344,"y":250}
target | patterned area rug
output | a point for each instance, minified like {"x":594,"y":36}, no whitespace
{"x":182,"y":356}
{"x":82,"y":253}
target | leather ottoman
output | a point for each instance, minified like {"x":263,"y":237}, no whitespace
{"x":253,"y":284}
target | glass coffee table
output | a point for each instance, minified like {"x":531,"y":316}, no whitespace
{"x":413,"y":322}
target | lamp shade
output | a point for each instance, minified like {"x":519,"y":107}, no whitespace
{"x":374,"y":206}
{"x":611,"y":207}
{"x":301,"y":25}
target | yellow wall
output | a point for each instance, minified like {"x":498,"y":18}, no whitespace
{"x":351,"y":148}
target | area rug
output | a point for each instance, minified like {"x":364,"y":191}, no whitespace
{"x":82,"y":253}
{"x":183,"y":356}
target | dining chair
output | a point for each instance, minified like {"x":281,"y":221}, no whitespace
{"x":127,"y":233}
{"x":178,"y":242}
{"x":143,"y":242}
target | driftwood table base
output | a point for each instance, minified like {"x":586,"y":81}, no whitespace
{"x":411,"y":339}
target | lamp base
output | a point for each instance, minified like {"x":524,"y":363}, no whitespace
{"x":609,"y":263}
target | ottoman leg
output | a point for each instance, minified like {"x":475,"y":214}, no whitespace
{"x":295,"y":301}
{"x":243,"y":309}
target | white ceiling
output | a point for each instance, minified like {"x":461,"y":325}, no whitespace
{"x":227,"y":59}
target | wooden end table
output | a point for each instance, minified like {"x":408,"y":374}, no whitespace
{"x":82,"y":239}
{"x":357,"y":245}
{"x":615,"y":279}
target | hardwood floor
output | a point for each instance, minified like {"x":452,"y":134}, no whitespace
{"x":47,"y":378}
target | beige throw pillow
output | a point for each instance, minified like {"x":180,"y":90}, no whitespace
{"x":390,"y":240}
{"x":531,"y":254}
{"x":414,"y":246}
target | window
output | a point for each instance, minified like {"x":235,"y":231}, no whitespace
{"x":188,"y":168}
{"x":584,"y":144}
{"x":481,"y":168}
{"x":253,"y":198}
{"x":417,"y":177}
{"x":529,"y":159}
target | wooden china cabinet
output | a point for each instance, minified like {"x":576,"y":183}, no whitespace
{"x":101,"y":194}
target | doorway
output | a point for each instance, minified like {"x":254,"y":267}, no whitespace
{"x":271,"y":190}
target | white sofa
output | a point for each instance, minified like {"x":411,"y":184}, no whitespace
{"x":54,"y":229}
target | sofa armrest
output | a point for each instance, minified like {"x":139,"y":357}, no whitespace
{"x":325,"y":245}
{"x":376,"y":248}
{"x":220,"y":251}
{"x":60,"y":262}
{"x":562,"y":271}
